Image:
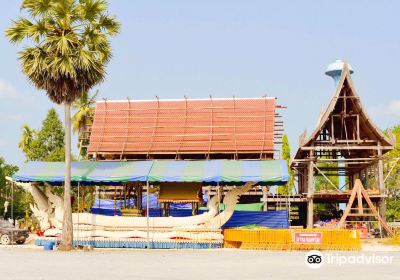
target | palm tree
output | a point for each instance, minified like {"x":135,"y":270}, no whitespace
{"x":84,"y":107}
{"x":69,"y":53}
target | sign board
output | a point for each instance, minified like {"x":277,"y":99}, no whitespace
{"x":307,"y":237}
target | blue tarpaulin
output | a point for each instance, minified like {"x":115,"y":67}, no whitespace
{"x":270,"y":219}
{"x":109,"y":207}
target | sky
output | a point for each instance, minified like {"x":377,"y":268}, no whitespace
{"x":172,"y":48}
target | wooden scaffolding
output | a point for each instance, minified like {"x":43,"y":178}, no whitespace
{"x":345,"y":143}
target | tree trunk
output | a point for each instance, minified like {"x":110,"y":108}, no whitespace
{"x":67,"y":231}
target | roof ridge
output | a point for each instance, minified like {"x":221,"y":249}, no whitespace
{"x":188,"y":99}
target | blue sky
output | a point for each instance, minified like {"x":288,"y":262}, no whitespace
{"x":224,"y":48}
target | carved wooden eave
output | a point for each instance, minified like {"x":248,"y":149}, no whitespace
{"x":362,"y":137}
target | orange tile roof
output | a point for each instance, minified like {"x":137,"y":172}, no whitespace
{"x":185,"y":126}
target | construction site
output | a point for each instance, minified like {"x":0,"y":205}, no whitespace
{"x":345,"y":147}
{"x":157,"y":163}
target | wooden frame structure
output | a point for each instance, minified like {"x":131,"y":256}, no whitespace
{"x":359,"y":192}
{"x":345,"y":143}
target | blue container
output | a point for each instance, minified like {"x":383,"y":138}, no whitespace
{"x":48,"y":246}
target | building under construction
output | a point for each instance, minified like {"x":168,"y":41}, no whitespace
{"x":234,"y":129}
{"x":344,"y":147}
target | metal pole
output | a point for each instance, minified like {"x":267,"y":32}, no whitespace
{"x":148,"y":215}
{"x":12,"y":211}
{"x":79,"y":205}
{"x":12,"y":202}
{"x":219,"y":204}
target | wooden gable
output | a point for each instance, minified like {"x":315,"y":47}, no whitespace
{"x":345,"y":126}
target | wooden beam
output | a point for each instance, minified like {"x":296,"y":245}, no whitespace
{"x":359,"y":198}
{"x":381,"y":183}
{"x":371,"y":205}
{"x":345,"y":147}
{"x":360,"y":192}
{"x":310,"y":193}
{"x":326,"y":178}
{"x":391,"y":169}
{"x":348,"y":207}
{"x":264,"y":198}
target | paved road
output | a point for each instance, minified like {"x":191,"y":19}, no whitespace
{"x":26,"y":263}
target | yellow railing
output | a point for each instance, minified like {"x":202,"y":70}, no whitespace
{"x":285,"y":239}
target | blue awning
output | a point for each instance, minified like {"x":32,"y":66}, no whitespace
{"x":85,"y":171}
{"x":263,"y":172}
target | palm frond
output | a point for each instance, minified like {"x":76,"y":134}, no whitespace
{"x":19,"y":30}
{"x":109,"y":24}
{"x":91,"y":9}
{"x":72,"y":46}
{"x":37,"y":7}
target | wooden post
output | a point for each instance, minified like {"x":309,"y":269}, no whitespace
{"x":310,"y":192}
{"x":208,"y":191}
{"x":139,"y":196}
{"x":124,"y":196}
{"x":148,"y":214}
{"x":303,"y":181}
{"x":120,"y":198}
{"x":115,"y":201}
{"x":264,"y":197}
{"x":366,"y":177}
{"x":381,"y":183}
{"x":351,"y":182}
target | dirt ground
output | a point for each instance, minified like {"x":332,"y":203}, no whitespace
{"x":31,"y":262}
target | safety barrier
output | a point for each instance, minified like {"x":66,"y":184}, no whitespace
{"x":139,"y":243}
{"x":292,"y":239}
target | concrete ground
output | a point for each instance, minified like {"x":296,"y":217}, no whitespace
{"x":29,"y":262}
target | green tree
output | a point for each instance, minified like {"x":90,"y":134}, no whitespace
{"x":69,"y":53}
{"x":321,"y":183}
{"x":392,"y":183}
{"x":46,"y":144}
{"x":286,"y":189}
{"x":83,"y":117}
{"x":5,"y":188}
{"x":51,"y":138}
{"x":28,"y":138}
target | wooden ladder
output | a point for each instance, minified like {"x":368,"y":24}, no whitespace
{"x":359,"y":192}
